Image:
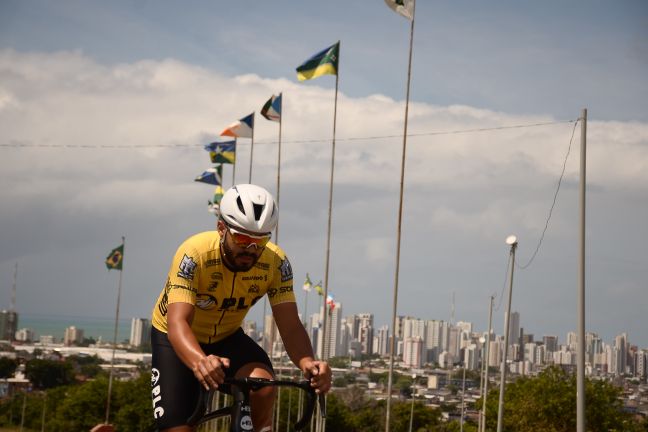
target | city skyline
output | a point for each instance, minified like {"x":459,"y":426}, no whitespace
{"x":105,"y":108}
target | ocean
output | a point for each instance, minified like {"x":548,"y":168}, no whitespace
{"x":93,"y":327}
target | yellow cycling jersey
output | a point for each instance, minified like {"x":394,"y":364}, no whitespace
{"x":222,"y":298}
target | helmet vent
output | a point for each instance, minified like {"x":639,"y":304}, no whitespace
{"x":239,"y":203}
{"x":258,"y":209}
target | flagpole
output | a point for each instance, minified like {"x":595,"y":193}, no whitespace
{"x":279,"y":165}
{"x":234,"y":164}
{"x":251,"y":148}
{"x":325,"y":353}
{"x":392,"y":344}
{"x":112,"y":359}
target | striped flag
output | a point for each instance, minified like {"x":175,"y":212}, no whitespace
{"x":272,"y":109}
{"x":241,"y":128}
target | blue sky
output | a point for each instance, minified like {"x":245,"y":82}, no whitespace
{"x":174,"y":73}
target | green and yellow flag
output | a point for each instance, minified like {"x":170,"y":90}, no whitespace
{"x":115,"y":259}
{"x":324,"y":62}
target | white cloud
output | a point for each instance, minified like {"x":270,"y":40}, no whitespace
{"x":462,"y":189}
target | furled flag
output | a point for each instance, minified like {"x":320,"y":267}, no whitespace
{"x":115,"y":259}
{"x":240,"y":128}
{"x":324,"y":62}
{"x":402,"y":7}
{"x":214,"y":206}
{"x":308,"y":285}
{"x":319,"y":288}
{"x":272,"y":109}
{"x":222,"y":151}
{"x":211,"y":176}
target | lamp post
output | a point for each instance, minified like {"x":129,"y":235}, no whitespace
{"x":488,"y":339}
{"x":412,"y":408}
{"x":511,"y":241}
{"x":482,"y":341}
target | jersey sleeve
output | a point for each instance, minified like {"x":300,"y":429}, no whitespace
{"x":281,"y":289}
{"x":183,"y":275}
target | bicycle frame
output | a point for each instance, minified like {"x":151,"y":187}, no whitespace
{"x":240,"y":411}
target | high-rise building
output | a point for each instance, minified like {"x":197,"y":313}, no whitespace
{"x":250,"y":328}
{"x":550,"y":342}
{"x":514,"y":328}
{"x":140,"y":332}
{"x":72,"y":336}
{"x":621,"y":353}
{"x":413,"y":352}
{"x":329,"y":347}
{"x":365,"y":332}
{"x":270,"y":333}
{"x":8,"y":325}
{"x":382,"y":347}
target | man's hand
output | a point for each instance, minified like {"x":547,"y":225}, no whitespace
{"x":209,"y":371}
{"x":320,"y":375}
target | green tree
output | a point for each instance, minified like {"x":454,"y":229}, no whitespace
{"x":45,"y":374}
{"x":7,"y":367}
{"x":548,"y":403}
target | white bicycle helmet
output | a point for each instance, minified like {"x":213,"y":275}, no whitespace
{"x":250,"y":208}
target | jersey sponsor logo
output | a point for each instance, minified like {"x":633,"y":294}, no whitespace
{"x":205,"y":302}
{"x":212,"y":286}
{"x":158,"y":411}
{"x":286,"y":270}
{"x":253,"y":289}
{"x":234,"y":303}
{"x":187,"y":268}
{"x":255,"y":278}
{"x":217,"y":276}
{"x":213,"y":262}
{"x":262,"y":266}
{"x":282,"y":290}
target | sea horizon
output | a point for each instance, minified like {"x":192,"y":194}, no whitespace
{"x":93,"y":327}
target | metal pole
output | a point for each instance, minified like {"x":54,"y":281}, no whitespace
{"x":279,"y":166}
{"x":490,"y":329}
{"x":500,"y":411}
{"x":482,"y":340}
{"x":43,"y":416}
{"x":321,"y":422}
{"x":580,"y":378}
{"x":112,"y":359}
{"x":392,"y":345}
{"x":463,"y":394}
{"x":251,"y":148}
{"x":24,"y":406}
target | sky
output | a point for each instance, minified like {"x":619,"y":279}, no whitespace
{"x":105,"y":107}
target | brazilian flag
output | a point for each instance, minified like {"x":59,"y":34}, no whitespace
{"x":115,"y":259}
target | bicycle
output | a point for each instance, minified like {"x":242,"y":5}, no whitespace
{"x":239,"y":411}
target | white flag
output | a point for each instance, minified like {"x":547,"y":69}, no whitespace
{"x":402,"y":7}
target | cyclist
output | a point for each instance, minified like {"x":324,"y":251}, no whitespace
{"x":214,"y":280}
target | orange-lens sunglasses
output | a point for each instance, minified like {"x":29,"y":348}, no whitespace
{"x":244,"y":240}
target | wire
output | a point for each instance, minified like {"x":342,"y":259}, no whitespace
{"x":553,"y":204}
{"x":305,"y":141}
{"x":501,"y":296}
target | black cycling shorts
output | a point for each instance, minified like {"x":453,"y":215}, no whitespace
{"x":175,"y":389}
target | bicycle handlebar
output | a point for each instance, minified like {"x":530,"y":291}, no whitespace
{"x":244,"y":386}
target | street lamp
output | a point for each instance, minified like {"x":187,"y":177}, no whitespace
{"x":511,"y":241}
{"x":482,"y":341}
{"x":412,"y":409}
